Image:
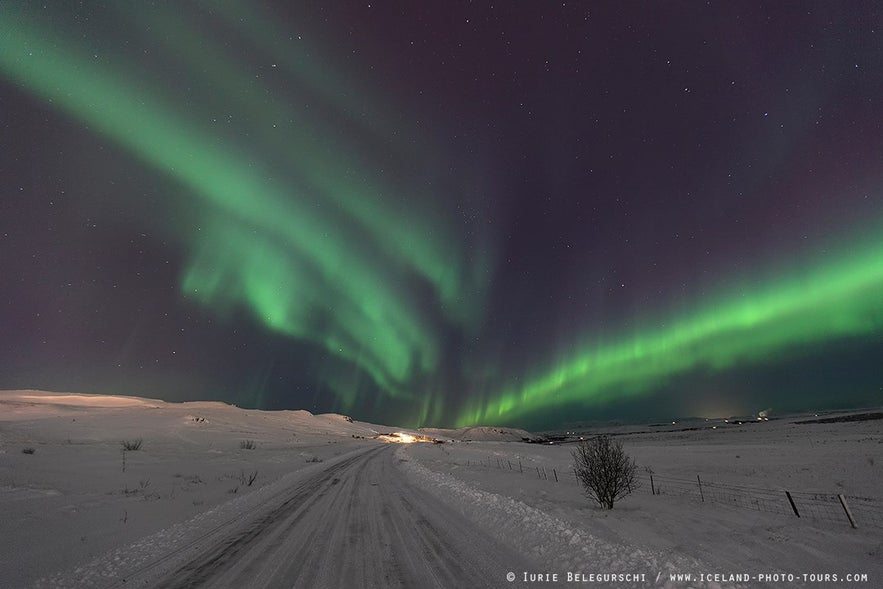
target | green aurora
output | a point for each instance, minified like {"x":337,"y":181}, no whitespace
{"x":317,"y":250}
{"x":837,"y":297}
{"x":321,"y":246}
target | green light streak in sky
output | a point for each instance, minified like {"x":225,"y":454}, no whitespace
{"x":313,"y":254}
{"x":835,"y":299}
{"x":295,"y":226}
{"x":373,"y":203}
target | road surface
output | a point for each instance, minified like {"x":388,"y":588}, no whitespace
{"x":358,"y":523}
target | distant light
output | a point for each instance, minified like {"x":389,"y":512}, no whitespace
{"x":714,"y":427}
{"x":403,"y":438}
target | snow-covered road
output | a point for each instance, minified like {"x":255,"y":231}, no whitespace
{"x":356,"y":523}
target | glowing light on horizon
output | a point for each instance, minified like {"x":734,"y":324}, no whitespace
{"x":403,"y":438}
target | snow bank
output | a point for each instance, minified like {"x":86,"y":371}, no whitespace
{"x":556,"y":545}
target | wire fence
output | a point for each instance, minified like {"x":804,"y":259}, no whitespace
{"x":832,"y":507}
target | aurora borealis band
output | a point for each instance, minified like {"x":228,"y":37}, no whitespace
{"x":829,"y":301}
{"x":444,"y":215}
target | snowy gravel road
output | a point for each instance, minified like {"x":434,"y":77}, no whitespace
{"x":356,"y":523}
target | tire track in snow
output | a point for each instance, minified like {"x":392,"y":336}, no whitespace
{"x":356,"y":523}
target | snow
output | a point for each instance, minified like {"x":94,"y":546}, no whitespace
{"x":559,"y":544}
{"x":71,"y":501}
{"x":497,"y":484}
{"x":75,"y":514}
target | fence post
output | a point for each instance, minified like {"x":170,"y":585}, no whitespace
{"x":538,"y":471}
{"x":791,"y":501}
{"x":520,"y":469}
{"x":652,"y":488}
{"x":701,"y":496}
{"x":556,"y":475}
{"x":846,"y":509}
{"x":510,"y":464}
{"x":545,"y":476}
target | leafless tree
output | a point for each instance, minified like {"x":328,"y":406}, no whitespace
{"x":605,"y":471}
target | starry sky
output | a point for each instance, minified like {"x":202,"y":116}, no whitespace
{"x":445,"y":213}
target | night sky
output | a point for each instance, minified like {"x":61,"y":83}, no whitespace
{"x":440,"y":213}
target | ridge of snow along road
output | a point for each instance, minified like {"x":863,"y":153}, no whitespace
{"x":556,"y":545}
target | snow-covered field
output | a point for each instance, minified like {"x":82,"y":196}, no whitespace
{"x":74,"y":498}
{"x":499,"y":486}
{"x":79,"y":511}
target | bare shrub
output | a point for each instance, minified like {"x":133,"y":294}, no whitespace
{"x":248,"y":444}
{"x":31,"y":451}
{"x":132,"y":445}
{"x":245,"y":479}
{"x":605,"y":471}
